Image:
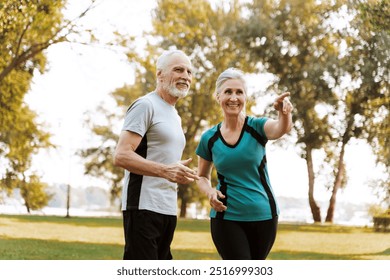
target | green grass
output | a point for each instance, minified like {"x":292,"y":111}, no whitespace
{"x":35,"y":249}
{"x":24,"y":237}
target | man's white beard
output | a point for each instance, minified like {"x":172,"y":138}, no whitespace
{"x":175,"y":92}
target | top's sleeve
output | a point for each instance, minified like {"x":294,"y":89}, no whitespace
{"x":259,"y":126}
{"x":139,"y":117}
{"x":202,"y":150}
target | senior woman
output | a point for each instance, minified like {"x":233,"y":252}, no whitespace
{"x":244,"y":214}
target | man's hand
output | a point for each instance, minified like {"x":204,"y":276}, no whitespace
{"x":181,"y":173}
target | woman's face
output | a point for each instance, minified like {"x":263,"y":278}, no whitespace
{"x":232,"y":97}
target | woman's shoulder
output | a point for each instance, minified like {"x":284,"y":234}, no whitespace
{"x":211,"y":131}
{"x":256,"y":119}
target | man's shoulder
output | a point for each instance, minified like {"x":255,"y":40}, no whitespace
{"x":143,"y":101}
{"x":148,"y":98}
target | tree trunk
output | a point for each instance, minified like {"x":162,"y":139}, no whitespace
{"x":315,"y":210}
{"x":336,"y":186}
{"x":183,"y":197}
{"x":28,"y":208}
{"x":183,"y":208}
{"x":67,"y":201}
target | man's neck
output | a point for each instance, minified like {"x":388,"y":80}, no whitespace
{"x":167,"y":97}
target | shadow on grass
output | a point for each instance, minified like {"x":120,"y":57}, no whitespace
{"x":384,"y":253}
{"x":291,"y":255}
{"x":35,"y":249}
{"x":182,"y":224}
{"x":77,"y":221}
{"x":326,"y":228}
{"x":279,"y":255}
{"x":193,"y":225}
{"x":194,"y":255}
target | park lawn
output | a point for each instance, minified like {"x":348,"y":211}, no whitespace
{"x":24,"y":237}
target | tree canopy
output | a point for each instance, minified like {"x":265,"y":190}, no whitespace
{"x":337,"y":74}
{"x":332,"y":56}
{"x":27,"y":29}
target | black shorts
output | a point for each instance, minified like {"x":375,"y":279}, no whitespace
{"x":243,"y":240}
{"x":148,"y":235}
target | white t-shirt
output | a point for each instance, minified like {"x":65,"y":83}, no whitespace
{"x":162,"y":141}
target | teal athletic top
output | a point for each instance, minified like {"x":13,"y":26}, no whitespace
{"x":242,"y":172}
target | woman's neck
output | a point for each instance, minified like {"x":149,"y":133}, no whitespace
{"x":233,"y":122}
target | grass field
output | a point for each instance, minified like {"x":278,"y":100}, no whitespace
{"x":78,"y":238}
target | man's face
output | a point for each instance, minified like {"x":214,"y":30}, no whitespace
{"x":177,"y":77}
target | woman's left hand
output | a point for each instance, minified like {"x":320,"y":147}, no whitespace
{"x":215,"y":202}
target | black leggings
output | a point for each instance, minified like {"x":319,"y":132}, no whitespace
{"x":243,"y":240}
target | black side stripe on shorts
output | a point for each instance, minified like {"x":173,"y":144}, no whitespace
{"x":223,"y":190}
{"x":135,"y":180}
{"x":267,"y":189}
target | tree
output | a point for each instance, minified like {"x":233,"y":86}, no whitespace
{"x":99,"y":159}
{"x":374,"y":41}
{"x":365,"y":100}
{"x":293,"y":40}
{"x":298,"y":42}
{"x":27,"y":139}
{"x":27,"y":29}
{"x":34,"y":193}
{"x":200,"y":36}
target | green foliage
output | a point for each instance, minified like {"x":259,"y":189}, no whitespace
{"x":292,"y":41}
{"x":27,"y":29}
{"x":338,"y":76}
{"x":376,"y":13}
{"x":371,"y":64}
{"x":299,"y":42}
{"x":200,"y":36}
{"x":23,"y":140}
{"x":34,"y":193}
{"x":99,"y":159}
{"x":368,"y":63}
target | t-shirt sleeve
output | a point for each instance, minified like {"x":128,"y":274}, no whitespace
{"x":139,"y":117}
{"x":259,"y":126}
{"x":202,"y":150}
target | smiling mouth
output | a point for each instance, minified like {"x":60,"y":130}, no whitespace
{"x":182,"y":85}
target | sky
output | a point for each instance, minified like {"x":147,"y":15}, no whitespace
{"x":79,"y":78}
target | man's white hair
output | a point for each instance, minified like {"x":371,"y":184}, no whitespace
{"x":162,"y":61}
